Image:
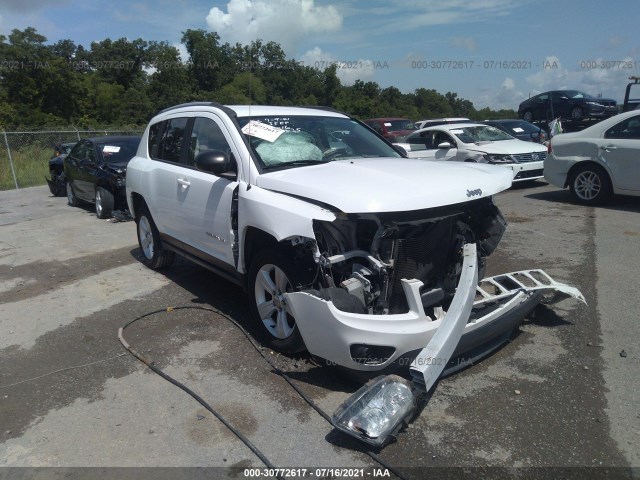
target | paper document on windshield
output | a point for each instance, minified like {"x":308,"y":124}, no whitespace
{"x":262,"y":131}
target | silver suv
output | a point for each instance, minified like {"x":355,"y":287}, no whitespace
{"x":345,"y":247}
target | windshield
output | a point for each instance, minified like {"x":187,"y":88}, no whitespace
{"x":121,"y":150}
{"x":395,"y":125}
{"x":291,"y":141}
{"x":519,"y":126}
{"x":480,"y":133}
{"x":577,"y":94}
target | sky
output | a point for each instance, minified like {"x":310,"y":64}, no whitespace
{"x":495,"y":53}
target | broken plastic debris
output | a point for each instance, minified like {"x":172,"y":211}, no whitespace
{"x":623,"y":354}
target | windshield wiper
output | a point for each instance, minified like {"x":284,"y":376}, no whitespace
{"x":295,"y":163}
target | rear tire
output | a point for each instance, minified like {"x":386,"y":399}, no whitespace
{"x":577,"y":113}
{"x":590,"y":185}
{"x":153,"y":254}
{"x":104,"y":203}
{"x":270,"y":276}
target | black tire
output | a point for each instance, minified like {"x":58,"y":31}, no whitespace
{"x":72,"y":200}
{"x":104,"y":203}
{"x":275,"y":322}
{"x":527,"y":116}
{"x":590,"y":185}
{"x":577,"y":113}
{"x":153,"y":254}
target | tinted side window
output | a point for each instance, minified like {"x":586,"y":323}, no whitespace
{"x":170,"y":147}
{"x":79,"y":151}
{"x":627,"y":129}
{"x":421,"y":142}
{"x":155,"y":131}
{"x":206,"y":135}
{"x":376,"y":126}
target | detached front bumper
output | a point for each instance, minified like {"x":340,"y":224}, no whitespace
{"x":476,"y":315}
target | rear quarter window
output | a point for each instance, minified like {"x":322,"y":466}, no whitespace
{"x":166,"y":139}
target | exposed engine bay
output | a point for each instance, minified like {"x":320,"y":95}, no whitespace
{"x":368,"y":255}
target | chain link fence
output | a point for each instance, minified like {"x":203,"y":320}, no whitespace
{"x":24,"y":156}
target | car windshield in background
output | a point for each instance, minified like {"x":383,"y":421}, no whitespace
{"x":577,"y":94}
{"x":521,"y":127}
{"x":480,"y":133}
{"x":120,"y":150}
{"x":307,"y":140}
{"x":395,"y":125}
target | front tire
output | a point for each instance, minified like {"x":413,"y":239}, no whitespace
{"x":590,"y":185}
{"x":72,"y":200}
{"x":153,"y":254}
{"x":104,"y":203}
{"x":270,"y":276}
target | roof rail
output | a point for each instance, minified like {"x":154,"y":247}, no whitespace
{"x":200,"y":104}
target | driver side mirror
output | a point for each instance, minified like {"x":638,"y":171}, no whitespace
{"x":215,"y":162}
{"x":444,"y":145}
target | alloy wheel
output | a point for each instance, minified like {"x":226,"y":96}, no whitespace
{"x":270,"y":286}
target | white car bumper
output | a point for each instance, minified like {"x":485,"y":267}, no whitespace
{"x":526,"y":171}
{"x":331,"y":333}
{"x":556,"y":171}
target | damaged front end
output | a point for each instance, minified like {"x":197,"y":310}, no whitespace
{"x":388,"y":282}
{"x":406,"y":289}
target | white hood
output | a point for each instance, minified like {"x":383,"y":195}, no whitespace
{"x":388,"y":184}
{"x":507,"y":147}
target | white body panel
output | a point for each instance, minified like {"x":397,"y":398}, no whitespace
{"x":373,"y":185}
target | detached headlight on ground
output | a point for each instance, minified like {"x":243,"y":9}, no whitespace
{"x":377,"y":410}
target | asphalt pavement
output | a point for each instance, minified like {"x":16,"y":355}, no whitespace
{"x":563,"y":393}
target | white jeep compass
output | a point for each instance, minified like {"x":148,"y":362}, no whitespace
{"x":345,"y":247}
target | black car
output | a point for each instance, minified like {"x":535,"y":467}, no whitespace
{"x":520,"y":129}
{"x":96,"y":172}
{"x":567,"y":104}
{"x":58,"y":182}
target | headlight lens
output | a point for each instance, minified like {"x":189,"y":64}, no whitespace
{"x":494,"y":158}
{"x":376,"y":410}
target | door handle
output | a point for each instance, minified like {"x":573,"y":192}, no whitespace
{"x":608,"y":147}
{"x":183,"y":183}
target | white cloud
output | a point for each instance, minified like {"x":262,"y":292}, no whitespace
{"x":286,"y":22}
{"x":436,"y":12}
{"x":28,"y":6}
{"x":468,"y":43}
{"x":505,"y":97}
{"x":348,"y":71}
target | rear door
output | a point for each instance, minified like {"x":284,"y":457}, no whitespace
{"x":620,"y":151}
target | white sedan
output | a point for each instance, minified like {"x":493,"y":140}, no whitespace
{"x":598,"y":161}
{"x":478,"y":143}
